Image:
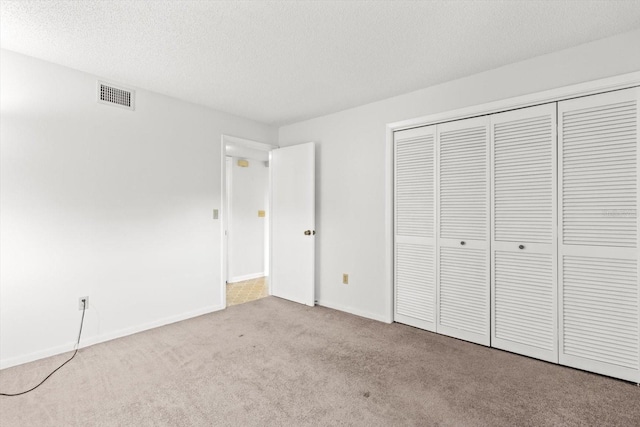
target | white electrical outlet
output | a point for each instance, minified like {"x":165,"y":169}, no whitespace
{"x":83,"y":304}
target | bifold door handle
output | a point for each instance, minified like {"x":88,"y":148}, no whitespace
{"x":307,"y":233}
{"x":463,"y":243}
{"x":521,"y":246}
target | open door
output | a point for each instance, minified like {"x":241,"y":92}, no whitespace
{"x":293,"y":223}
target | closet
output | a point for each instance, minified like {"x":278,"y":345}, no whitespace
{"x":463,"y":229}
{"x":519,"y":230}
{"x":523,"y":243}
{"x":598,"y":246}
{"x":415,"y":248}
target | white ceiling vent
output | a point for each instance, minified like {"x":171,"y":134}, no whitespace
{"x":117,"y":96}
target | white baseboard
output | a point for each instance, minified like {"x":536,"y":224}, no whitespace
{"x":52,"y":351}
{"x":356,"y":311}
{"x":246,"y":277}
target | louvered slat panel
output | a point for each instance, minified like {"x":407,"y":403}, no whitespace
{"x":463,"y":236}
{"x":523,"y":177}
{"x":599,"y":286}
{"x":600,"y":143}
{"x":414,"y":186}
{"x":600,"y":306}
{"x":463,"y":183}
{"x":524,"y":294}
{"x":415,"y":281}
{"x":463,"y":287}
{"x":524,"y":299}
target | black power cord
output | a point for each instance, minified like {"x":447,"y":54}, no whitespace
{"x":84,"y":308}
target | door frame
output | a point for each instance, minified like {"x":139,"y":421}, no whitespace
{"x":593,"y":87}
{"x":241,"y":143}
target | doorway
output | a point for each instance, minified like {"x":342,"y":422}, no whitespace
{"x":288,"y":217}
{"x":245,"y":218}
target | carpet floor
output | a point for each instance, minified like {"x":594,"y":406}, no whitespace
{"x":273,"y":362}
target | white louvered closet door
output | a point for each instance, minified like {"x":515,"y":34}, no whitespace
{"x":598,"y":259}
{"x":463,"y":229}
{"x":524,"y":245}
{"x":415,"y":250}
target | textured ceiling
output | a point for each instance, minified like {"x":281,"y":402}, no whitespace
{"x":280,"y":62}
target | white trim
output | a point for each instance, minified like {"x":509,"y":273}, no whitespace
{"x":354,"y":311}
{"x":246,"y":277}
{"x":19,"y":360}
{"x":226,"y":206}
{"x":553,"y":95}
{"x":270,"y":225}
{"x":388,"y":226}
{"x":222,"y":217}
{"x":248,"y":143}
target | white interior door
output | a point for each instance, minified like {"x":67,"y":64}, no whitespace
{"x":293,"y":223}
{"x":463,"y":230}
{"x":524,"y":246}
{"x":599,"y":254}
{"x":415,"y":231}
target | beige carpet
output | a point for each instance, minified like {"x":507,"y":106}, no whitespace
{"x":272,"y":362}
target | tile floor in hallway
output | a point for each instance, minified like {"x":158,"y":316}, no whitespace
{"x":248,"y":290}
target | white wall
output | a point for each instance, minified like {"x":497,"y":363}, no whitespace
{"x":248,"y":194}
{"x":105,"y":202}
{"x":351,"y":161}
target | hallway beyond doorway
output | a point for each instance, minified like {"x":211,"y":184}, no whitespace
{"x":245,"y":291}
